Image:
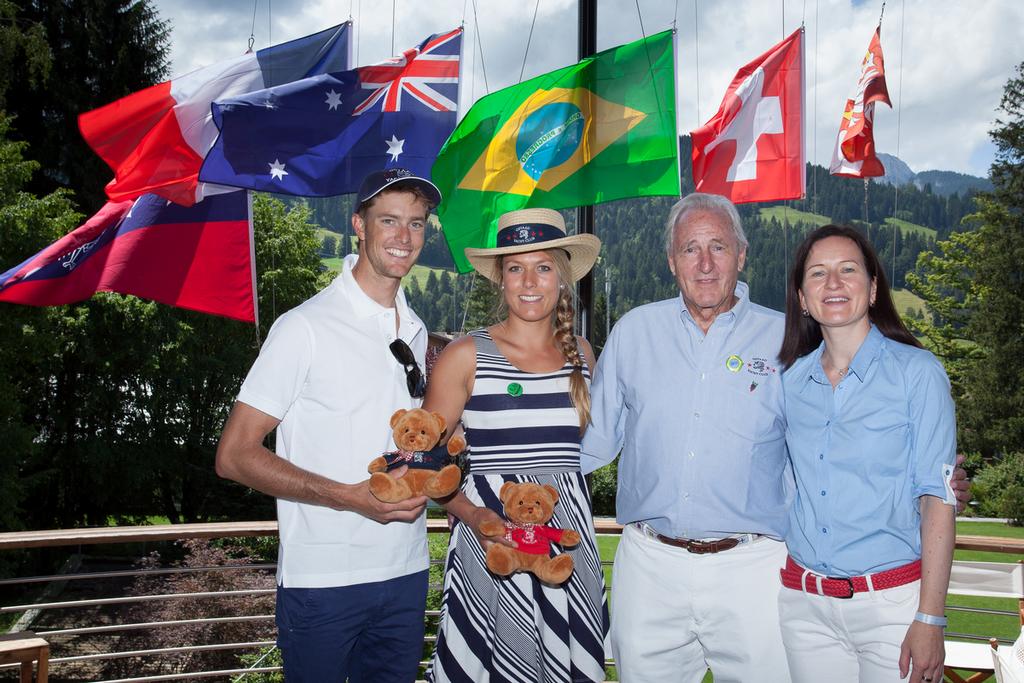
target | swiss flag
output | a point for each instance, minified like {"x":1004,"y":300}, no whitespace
{"x":752,"y":150}
{"x":854,"y":154}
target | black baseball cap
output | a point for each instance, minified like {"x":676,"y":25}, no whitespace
{"x":376,"y":182}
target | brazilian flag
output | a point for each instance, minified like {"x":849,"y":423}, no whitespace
{"x":602,"y":129}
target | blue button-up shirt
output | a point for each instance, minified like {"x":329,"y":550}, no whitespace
{"x":698,"y":418}
{"x":863,"y":454}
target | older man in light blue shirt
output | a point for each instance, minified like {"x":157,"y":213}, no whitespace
{"x":689,"y":389}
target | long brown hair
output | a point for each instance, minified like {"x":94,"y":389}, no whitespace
{"x":803,"y":333}
{"x":562,"y":322}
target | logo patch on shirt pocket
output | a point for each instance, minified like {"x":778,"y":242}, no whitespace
{"x":760,"y":367}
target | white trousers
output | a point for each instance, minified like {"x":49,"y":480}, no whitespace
{"x":850,"y":641}
{"x":675,"y":614}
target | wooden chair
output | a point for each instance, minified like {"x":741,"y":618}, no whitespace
{"x":988,"y":579}
{"x":25,"y":648}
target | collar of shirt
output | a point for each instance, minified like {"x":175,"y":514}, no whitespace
{"x":725,"y":318}
{"x":868,"y":352}
{"x":365,"y":307}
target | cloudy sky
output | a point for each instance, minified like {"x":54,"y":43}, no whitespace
{"x":946,"y":60}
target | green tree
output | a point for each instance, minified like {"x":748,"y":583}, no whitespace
{"x":29,"y":335}
{"x":329,"y":246}
{"x":974,"y":288}
{"x":101,"y":50}
{"x":23,"y":48}
{"x":112,"y":408}
{"x":481,"y":304}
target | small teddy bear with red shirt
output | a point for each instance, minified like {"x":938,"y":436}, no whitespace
{"x":528,"y":508}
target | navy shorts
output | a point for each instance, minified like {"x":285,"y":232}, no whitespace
{"x":366,"y":633}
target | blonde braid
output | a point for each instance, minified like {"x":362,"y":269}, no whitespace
{"x":564,"y":319}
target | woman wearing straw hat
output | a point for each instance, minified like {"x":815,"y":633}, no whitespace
{"x":521,"y":388}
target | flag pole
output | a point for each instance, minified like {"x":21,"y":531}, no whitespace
{"x":252,"y":267}
{"x":585,"y":214}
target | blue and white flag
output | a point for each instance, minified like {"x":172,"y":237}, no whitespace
{"x":321,"y":135}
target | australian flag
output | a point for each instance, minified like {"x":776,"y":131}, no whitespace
{"x":319,"y":136}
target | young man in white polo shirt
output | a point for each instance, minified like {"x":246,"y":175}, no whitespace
{"x":352,"y":571}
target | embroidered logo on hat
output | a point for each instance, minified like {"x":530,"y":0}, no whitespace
{"x":528,"y":233}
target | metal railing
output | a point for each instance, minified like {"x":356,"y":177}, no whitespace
{"x":110,"y":609}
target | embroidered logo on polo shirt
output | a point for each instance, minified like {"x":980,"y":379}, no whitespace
{"x":734,"y":363}
{"x":760,"y":366}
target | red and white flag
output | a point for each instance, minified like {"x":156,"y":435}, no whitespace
{"x":155,"y":139}
{"x":854,"y":155}
{"x":199,"y":257}
{"x":752,"y":150}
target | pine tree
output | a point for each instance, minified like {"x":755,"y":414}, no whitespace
{"x":974,"y":287}
{"x":482,"y":304}
{"x":101,"y":50}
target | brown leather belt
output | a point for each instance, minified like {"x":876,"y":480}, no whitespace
{"x":691,"y":545}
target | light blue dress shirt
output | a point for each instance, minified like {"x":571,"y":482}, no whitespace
{"x":698,"y":418}
{"x":864,"y":453}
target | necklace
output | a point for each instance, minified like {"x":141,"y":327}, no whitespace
{"x":839,"y":371}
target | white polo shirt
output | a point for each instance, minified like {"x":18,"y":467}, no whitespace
{"x":327,"y":374}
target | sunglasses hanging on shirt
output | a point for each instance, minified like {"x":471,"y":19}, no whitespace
{"x":414,"y":379}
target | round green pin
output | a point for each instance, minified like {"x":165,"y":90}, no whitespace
{"x":515,"y":389}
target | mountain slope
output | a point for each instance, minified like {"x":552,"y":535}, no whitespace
{"x":943,"y":183}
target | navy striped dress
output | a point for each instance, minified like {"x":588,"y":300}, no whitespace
{"x":516,"y":628}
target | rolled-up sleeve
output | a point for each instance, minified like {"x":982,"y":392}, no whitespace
{"x":933,"y":427}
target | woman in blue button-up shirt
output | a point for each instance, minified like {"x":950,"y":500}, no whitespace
{"x":871,"y":435}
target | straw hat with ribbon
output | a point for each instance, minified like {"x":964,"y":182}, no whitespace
{"x":533,"y":230}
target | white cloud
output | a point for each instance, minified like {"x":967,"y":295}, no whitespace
{"x":958,"y":54}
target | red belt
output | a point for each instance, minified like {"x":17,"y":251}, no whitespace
{"x":796,"y":577}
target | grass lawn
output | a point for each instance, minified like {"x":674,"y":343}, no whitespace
{"x":985,"y":624}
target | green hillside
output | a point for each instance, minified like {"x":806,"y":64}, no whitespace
{"x":783,"y":214}
{"x":904,"y":299}
{"x":321,"y":233}
{"x":907,"y":226}
{"x":421,"y":273}
{"x":418,"y":272}
{"x":794,"y":216}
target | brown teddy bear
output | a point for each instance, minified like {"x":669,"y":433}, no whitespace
{"x":416,"y":433}
{"x":528,"y":507}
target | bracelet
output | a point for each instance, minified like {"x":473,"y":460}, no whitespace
{"x":931,"y":619}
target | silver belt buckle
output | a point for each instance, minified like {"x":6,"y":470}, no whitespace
{"x":647,"y":530}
